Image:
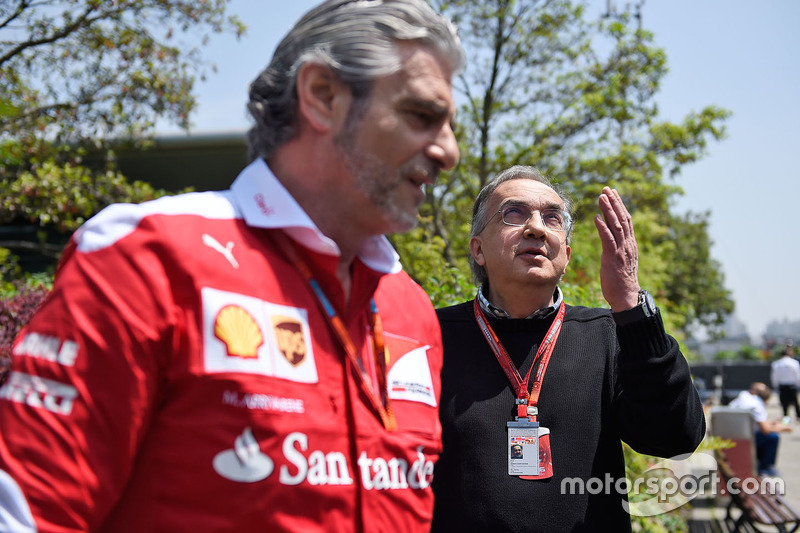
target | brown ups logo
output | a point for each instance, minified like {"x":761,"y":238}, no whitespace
{"x":289,"y":335}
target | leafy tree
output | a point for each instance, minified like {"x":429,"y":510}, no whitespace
{"x":78,"y":73}
{"x":62,"y":197}
{"x":546,"y":86}
{"x":743,"y":353}
{"x":688,"y":242}
{"x":445,"y":283}
{"x":95,"y":69}
{"x":749,"y":353}
{"x":777,"y":351}
{"x":725,"y":355}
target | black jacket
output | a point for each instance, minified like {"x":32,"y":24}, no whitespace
{"x":604,"y":383}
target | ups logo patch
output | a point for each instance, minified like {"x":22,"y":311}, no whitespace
{"x":245,"y":334}
{"x":290,"y":339}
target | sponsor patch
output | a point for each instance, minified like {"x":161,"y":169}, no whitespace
{"x":290,"y":339}
{"x":40,"y":393}
{"x":244,"y":462}
{"x":237,"y":328}
{"x":297,"y":464}
{"x":48,"y":348}
{"x":245,"y":334}
{"x":409,"y":375}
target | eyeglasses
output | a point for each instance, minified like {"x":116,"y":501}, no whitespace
{"x":520,"y":215}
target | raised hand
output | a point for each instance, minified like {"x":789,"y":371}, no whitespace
{"x":619,"y":262}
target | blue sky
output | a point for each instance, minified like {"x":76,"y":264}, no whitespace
{"x":743,"y":55}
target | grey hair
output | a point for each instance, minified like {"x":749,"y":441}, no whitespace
{"x":481,"y":215}
{"x":358,"y":40}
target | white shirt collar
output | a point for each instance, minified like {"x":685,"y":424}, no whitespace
{"x":265,"y":203}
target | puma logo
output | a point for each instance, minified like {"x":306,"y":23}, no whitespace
{"x":226,"y":251}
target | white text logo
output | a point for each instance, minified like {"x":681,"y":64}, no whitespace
{"x":671,"y":483}
{"x":48,"y":348}
{"x":39,"y":392}
{"x":245,"y":462}
{"x":263,"y":402}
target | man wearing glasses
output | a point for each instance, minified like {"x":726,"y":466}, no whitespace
{"x":522,"y":368}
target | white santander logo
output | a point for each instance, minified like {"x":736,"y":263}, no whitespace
{"x":246,"y":463}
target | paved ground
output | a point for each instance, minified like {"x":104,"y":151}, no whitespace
{"x":708,"y":513}
{"x":788,"y":457}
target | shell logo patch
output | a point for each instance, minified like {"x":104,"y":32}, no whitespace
{"x":249,"y":335}
{"x":239,"y":331}
{"x":289,"y":336}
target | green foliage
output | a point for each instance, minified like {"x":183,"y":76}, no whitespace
{"x":749,"y":353}
{"x":423,"y":260}
{"x":574,"y":97}
{"x":581,"y":283}
{"x":65,"y":196}
{"x":92,"y":69}
{"x":711,"y":443}
{"x":12,"y":277}
{"x":77,"y":73}
{"x":636,"y":465}
{"x":743,"y":353}
{"x":776,"y":352}
{"x":693,"y":271}
{"x":725,"y":355}
{"x":9,"y":266}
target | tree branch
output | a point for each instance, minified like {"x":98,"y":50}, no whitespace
{"x":47,"y":249}
{"x":23,"y":4}
{"x":84,"y":20}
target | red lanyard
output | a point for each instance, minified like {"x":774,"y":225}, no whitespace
{"x":545,"y":351}
{"x":381,"y":400}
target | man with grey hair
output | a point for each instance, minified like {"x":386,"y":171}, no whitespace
{"x":566,"y":383}
{"x":254,"y":359}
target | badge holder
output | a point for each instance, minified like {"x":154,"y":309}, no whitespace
{"x":528,"y":445}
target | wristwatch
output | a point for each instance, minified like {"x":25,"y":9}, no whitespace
{"x":645,"y":308}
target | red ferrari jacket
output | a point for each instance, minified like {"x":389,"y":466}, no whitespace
{"x":182,"y":377}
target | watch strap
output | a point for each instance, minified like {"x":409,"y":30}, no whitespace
{"x":645,"y":309}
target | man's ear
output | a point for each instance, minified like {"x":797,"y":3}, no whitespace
{"x":322,"y":100}
{"x":569,"y":254}
{"x":476,"y":249}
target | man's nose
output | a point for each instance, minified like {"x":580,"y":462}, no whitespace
{"x":535,"y":226}
{"x":444,"y":148}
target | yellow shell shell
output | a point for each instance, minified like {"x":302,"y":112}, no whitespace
{"x":239,"y":331}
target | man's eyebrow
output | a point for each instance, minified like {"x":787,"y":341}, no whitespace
{"x":550,"y":204}
{"x":431,"y":106}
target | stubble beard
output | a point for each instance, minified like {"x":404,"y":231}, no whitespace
{"x":376,"y":180}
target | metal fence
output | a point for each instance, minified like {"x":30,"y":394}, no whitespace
{"x":723,"y":381}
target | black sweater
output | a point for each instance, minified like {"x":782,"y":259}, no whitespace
{"x":604,"y":383}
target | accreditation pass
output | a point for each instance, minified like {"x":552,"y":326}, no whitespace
{"x":523,"y":448}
